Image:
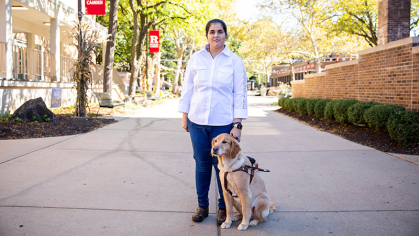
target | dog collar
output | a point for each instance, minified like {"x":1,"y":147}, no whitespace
{"x":229,"y":171}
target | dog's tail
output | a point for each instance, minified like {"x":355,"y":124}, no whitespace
{"x":272,"y":208}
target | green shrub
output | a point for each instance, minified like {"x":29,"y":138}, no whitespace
{"x":310,"y":106}
{"x":328,"y":110}
{"x":403,"y":126}
{"x":294,"y":103}
{"x":302,"y":106}
{"x":340,"y":110}
{"x":357,"y":110}
{"x":288,"y":105}
{"x":320,"y":107}
{"x":6,"y":116}
{"x":377,"y":116}
{"x":281,"y":102}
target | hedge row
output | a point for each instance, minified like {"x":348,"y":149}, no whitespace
{"x":402,"y":125}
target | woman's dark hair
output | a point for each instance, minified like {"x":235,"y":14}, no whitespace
{"x":213,"y":21}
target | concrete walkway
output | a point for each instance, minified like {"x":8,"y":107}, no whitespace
{"x":136,"y":177}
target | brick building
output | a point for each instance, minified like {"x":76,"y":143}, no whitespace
{"x":387,"y":73}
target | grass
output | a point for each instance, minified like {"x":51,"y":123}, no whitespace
{"x":5,"y":117}
{"x":63,"y":110}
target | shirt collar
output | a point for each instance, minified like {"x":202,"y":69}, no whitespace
{"x":226,"y":51}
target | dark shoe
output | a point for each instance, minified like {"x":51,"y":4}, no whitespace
{"x":221,"y":216}
{"x":200,"y":214}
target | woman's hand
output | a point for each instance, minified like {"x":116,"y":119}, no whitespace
{"x":237,"y":133}
{"x":185,"y":122}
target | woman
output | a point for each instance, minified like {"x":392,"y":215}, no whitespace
{"x":214,"y":101}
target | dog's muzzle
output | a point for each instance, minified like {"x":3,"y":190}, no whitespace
{"x":215,"y":151}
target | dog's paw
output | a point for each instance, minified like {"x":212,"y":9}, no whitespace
{"x":225,"y":225}
{"x":237,"y":217}
{"x":254,"y":222}
{"x":242,"y":227}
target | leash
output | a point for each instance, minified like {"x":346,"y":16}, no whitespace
{"x":245,"y":168}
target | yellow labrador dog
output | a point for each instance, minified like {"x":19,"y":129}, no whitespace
{"x":245,"y":192}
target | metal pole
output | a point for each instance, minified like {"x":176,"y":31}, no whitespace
{"x":80,"y":15}
{"x":146,"y":53}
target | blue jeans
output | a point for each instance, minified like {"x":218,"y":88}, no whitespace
{"x":201,"y":137}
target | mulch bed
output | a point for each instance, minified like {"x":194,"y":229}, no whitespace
{"x":364,"y":135}
{"x":66,"y":125}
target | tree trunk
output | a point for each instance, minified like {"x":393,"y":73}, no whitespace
{"x":110,"y":47}
{"x":134,"y":62}
{"x":139,"y":74}
{"x":177,"y":72}
{"x":268,"y":77}
{"x":157,"y":82}
{"x":181,"y":43}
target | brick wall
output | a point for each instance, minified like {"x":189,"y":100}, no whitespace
{"x":415,"y":79}
{"x":342,"y":82}
{"x":393,"y":20}
{"x":388,"y":74}
{"x":382,"y":31}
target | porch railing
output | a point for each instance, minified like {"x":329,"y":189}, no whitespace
{"x":66,"y":68}
{"x":35,"y":65}
{"x":31,"y":64}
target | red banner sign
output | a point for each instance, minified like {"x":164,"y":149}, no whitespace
{"x":95,"y":7}
{"x":154,"y":41}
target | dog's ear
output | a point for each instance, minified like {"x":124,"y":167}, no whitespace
{"x":235,"y":148}
{"x":212,"y":145}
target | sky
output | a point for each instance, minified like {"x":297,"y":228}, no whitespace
{"x":247,"y":10}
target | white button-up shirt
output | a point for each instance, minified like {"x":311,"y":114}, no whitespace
{"x":214,"y":90}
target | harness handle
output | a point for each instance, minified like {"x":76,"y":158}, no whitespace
{"x":245,"y":168}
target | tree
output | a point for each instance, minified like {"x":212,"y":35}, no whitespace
{"x":123,"y":37}
{"x":414,"y":18}
{"x":148,"y":15}
{"x":360,"y":17}
{"x":311,"y":40}
{"x":310,"y":14}
{"x":356,"y":17}
{"x":260,"y":56}
{"x":87,"y":50}
{"x":182,"y":41}
{"x":110,"y":47}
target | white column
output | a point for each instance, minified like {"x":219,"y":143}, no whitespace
{"x":55,"y":46}
{"x":103,"y":53}
{"x":31,"y":55}
{"x":6,"y":34}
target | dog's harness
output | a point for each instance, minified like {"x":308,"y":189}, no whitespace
{"x":245,"y":168}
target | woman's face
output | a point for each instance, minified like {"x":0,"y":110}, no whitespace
{"x":216,"y":36}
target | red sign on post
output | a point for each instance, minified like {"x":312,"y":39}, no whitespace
{"x":154,"y":41}
{"x":95,"y":7}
